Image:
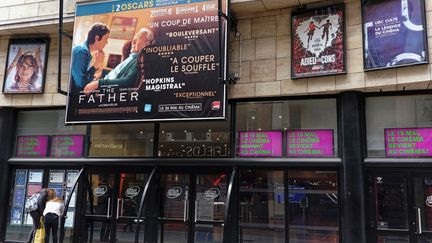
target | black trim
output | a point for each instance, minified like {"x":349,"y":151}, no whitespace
{"x":187,"y":162}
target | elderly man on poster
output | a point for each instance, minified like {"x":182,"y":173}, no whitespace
{"x":87,"y":57}
{"x":126,"y":73}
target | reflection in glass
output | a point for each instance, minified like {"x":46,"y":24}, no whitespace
{"x":313,"y":204}
{"x":210,"y":197}
{"x":173,"y":233}
{"x":208,"y":233}
{"x":391,"y":194}
{"x":194,"y":139}
{"x":287,"y":115}
{"x":130,"y":140}
{"x":262,"y":212}
{"x":394,"y":112}
{"x":99,"y":203}
{"x":174,"y":195}
{"x":130,"y":192}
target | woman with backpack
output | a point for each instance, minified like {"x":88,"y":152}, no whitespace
{"x":53,"y":211}
{"x":36,"y":205}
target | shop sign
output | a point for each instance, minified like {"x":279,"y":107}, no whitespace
{"x":32,"y":146}
{"x":408,"y":142}
{"x":100,"y":191}
{"x":174,"y":192}
{"x":310,"y":143}
{"x":174,"y":70}
{"x":132,"y":191}
{"x":318,"y":45}
{"x":67,"y":146}
{"x":260,"y":144}
{"x":394,"y":33}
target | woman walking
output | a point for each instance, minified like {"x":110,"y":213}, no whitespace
{"x":53,"y":211}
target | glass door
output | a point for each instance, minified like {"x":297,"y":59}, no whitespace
{"x":111,"y":206}
{"x":401,"y":205}
{"x":192,"y":207}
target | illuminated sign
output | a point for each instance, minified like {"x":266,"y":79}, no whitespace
{"x":260,"y":143}
{"x":408,"y":142}
{"x":32,"y":146}
{"x":310,"y":143}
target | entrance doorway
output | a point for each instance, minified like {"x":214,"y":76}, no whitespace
{"x":111,"y":206}
{"x":400,"y":206}
{"x":192,"y":206}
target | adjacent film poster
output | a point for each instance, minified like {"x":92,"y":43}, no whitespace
{"x":26,"y":66}
{"x":318,"y":46}
{"x":147,"y":60}
{"x":394,"y":33}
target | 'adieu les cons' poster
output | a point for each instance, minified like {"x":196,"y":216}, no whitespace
{"x":318,"y":45}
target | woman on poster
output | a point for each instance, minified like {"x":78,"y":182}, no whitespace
{"x":24,"y":74}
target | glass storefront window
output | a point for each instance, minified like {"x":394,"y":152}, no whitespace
{"x":313,"y":206}
{"x":262,"y":210}
{"x":308,"y":126}
{"x":414,"y":111}
{"x":36,"y":130}
{"x":194,"y":139}
{"x":26,"y":183}
{"x":121,"y":140}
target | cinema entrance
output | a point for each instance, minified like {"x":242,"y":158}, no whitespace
{"x":400,"y":206}
{"x":154,"y":205}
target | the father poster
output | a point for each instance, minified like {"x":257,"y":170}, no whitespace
{"x":394,"y":33}
{"x":135,"y":60}
{"x":318,"y":46}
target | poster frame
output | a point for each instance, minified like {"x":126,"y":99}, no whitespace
{"x":224,"y":15}
{"x":425,"y":41}
{"x":343,"y":28}
{"x":43,"y":41}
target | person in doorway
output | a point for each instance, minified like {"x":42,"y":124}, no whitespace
{"x":53,"y":211}
{"x":42,"y":198}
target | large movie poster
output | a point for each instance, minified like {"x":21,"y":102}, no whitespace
{"x":393,"y":33}
{"x":318,"y":46}
{"x":146,"y":60}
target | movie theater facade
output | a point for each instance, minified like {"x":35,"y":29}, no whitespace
{"x":246,"y":121}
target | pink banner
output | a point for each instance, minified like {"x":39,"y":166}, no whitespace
{"x":408,"y":142}
{"x":32,"y":146}
{"x":260,"y":144}
{"x":310,"y":143}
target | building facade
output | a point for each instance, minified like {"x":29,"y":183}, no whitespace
{"x":223,"y":180}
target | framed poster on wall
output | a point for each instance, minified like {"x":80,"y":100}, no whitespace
{"x":318,"y":42}
{"x":26,"y":66}
{"x":394,"y":33}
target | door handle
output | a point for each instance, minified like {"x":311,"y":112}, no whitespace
{"x":196,"y":211}
{"x":185,"y":210}
{"x":119,"y":200}
{"x":109,"y":207}
{"x":418,"y":223}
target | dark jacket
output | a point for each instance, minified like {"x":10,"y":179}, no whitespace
{"x":42,"y":200}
